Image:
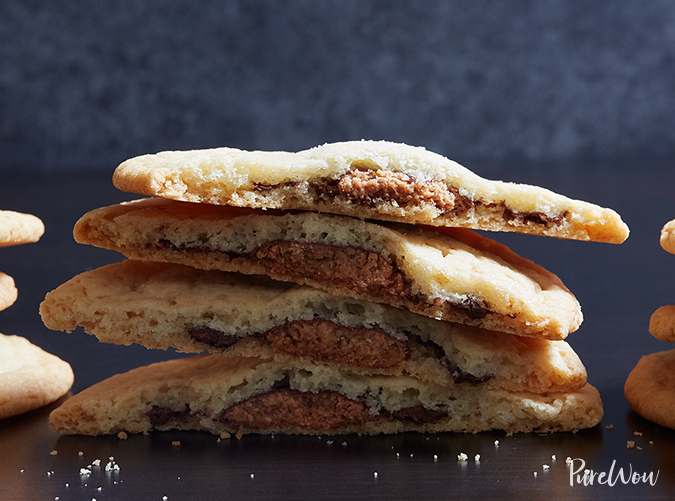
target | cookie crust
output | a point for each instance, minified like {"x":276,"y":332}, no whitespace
{"x":367,"y":179}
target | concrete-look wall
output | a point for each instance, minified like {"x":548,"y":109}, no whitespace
{"x":88,"y":83}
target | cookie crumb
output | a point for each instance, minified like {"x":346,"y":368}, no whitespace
{"x":85,"y":471}
{"x":545,"y":467}
{"x":375,"y":474}
{"x":651,"y":442}
{"x":97,"y":462}
{"x":80,"y":453}
{"x":462,"y":457}
{"x":477,"y":458}
{"x":497,"y":443}
{"x":175,"y":443}
{"x":164,"y":498}
{"x":568,"y":460}
{"x":535,"y":473}
{"x":609,"y":426}
{"x":639,"y":448}
{"x":329,"y":442}
{"x":54,"y":452}
{"x":122,"y":435}
{"x":252,"y":475}
{"x":435,"y":457}
{"x":553,"y":458}
{"x":637,"y":433}
{"x":630,"y":444}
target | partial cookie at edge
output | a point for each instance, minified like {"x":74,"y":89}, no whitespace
{"x":17,"y":228}
{"x":29,"y":376}
{"x":662,"y":323}
{"x":8,"y":291}
{"x":650,"y":388}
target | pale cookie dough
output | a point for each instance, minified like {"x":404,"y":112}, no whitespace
{"x":29,"y":376}
{"x":667,"y":239}
{"x":662,"y":323}
{"x":233,"y":395}
{"x":17,"y":228}
{"x":8,"y":292}
{"x":459,"y":276}
{"x":163,"y":306}
{"x":650,"y":388}
{"x":367,"y":179}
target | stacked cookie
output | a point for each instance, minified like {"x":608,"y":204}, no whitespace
{"x":29,"y":376}
{"x":650,"y":386}
{"x":336,"y":290}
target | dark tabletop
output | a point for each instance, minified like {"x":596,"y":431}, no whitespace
{"x":618,"y":286}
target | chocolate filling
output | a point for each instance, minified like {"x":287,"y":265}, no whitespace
{"x":358,"y":270}
{"x":161,"y":416}
{"x":322,"y":340}
{"x":370,"y":187}
{"x":325,"y":410}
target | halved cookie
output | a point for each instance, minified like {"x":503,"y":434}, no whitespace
{"x":17,"y":228}
{"x":234,"y":395}
{"x":161,"y":305}
{"x":650,"y":388}
{"x":367,"y":179}
{"x":29,"y":376}
{"x":453,"y":275}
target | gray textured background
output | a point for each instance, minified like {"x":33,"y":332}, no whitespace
{"x":89,"y":83}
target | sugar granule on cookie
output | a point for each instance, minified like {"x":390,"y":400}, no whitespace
{"x":367,"y":179}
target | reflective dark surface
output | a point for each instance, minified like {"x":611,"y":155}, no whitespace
{"x":618,"y":286}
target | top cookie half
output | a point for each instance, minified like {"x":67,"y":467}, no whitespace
{"x":367,"y":179}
